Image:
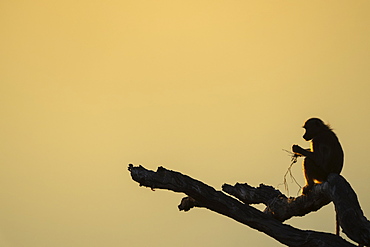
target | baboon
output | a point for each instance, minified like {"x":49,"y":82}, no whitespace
{"x":325,"y":155}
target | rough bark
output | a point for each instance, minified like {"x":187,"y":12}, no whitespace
{"x":277,"y":204}
{"x":279,"y":207}
{"x":349,"y":213}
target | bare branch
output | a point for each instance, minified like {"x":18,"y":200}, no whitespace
{"x":350,"y":216}
{"x":202,"y":195}
{"x":277,"y":204}
{"x":336,"y":189}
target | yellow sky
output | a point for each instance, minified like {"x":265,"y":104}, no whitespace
{"x":213,"y":89}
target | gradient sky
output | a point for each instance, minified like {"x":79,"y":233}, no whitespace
{"x":213,"y":89}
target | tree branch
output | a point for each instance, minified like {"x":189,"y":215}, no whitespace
{"x":336,"y":189}
{"x":202,"y":195}
{"x":349,"y":212}
{"x":277,"y":204}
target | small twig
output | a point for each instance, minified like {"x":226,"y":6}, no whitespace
{"x":294,"y":158}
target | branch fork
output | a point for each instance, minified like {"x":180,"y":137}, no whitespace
{"x":234,"y":201}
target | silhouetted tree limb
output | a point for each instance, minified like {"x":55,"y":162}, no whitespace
{"x":351,"y":218}
{"x":336,"y":189}
{"x":277,"y":204}
{"x":270,"y":221}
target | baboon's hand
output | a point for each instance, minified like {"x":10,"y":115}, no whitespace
{"x":297,"y":149}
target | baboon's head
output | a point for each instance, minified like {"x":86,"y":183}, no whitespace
{"x":313,"y":127}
